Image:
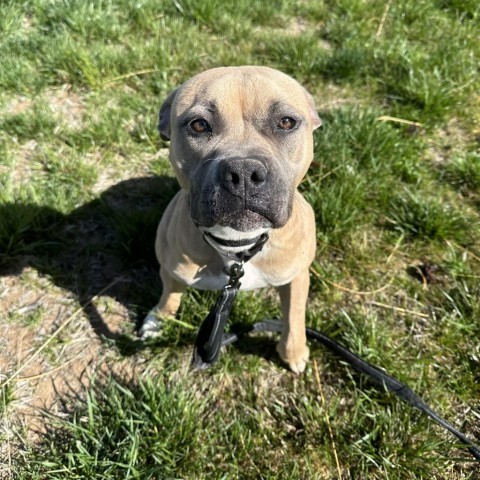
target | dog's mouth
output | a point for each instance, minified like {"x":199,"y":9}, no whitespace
{"x":224,"y":242}
{"x":241,"y":220}
{"x":228,"y":241}
{"x":244,"y":221}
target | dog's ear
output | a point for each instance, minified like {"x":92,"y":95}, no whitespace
{"x":316,"y":121}
{"x":164,"y":116}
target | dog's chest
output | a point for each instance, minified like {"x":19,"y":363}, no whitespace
{"x":208,"y":279}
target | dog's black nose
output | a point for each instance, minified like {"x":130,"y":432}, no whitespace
{"x":243,"y":177}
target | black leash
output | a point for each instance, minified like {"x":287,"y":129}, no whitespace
{"x":382,"y":378}
{"x":211,"y":338}
{"x":210,"y":335}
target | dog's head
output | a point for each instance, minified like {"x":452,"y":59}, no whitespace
{"x":240,"y":144}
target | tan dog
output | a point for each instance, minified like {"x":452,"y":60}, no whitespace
{"x":240,"y":144}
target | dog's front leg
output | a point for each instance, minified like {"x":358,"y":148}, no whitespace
{"x":166,"y":307}
{"x":292,"y":346}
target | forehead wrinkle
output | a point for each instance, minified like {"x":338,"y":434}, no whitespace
{"x":245,"y":97}
{"x":200,"y":102}
{"x":272,"y":95}
{"x":237,"y":97}
{"x":257,"y":99}
{"x":290,"y":101}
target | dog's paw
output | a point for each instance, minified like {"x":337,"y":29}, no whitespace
{"x":151,"y":327}
{"x":295,"y":358}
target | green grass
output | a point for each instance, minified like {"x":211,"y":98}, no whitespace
{"x":80,"y":87}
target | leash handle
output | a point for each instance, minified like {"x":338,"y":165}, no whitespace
{"x":209,"y":338}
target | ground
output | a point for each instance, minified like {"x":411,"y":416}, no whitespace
{"x":84,"y":179}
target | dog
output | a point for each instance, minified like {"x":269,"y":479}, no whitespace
{"x":240,"y":144}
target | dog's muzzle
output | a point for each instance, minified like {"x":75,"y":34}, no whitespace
{"x":242,"y":193}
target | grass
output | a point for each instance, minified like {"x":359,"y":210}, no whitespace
{"x":395,"y":186}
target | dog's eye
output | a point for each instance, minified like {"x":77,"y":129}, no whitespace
{"x":287,"y":123}
{"x":200,"y":125}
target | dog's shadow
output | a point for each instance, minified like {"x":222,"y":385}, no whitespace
{"x":105,"y":245}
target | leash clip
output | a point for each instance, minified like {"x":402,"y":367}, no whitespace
{"x":235,"y":273}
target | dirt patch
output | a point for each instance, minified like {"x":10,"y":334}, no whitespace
{"x":297,"y":26}
{"x":301,"y":26}
{"x":445,"y":143}
{"x":18,"y":105}
{"x":68,"y":108}
{"x":33,"y":311}
{"x":63,"y":363}
{"x":44,"y":322}
{"x":22,"y":169}
{"x":122,"y":167}
{"x":67,"y":105}
{"x":332,"y":97}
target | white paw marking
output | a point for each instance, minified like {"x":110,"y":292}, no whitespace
{"x":151,"y":327}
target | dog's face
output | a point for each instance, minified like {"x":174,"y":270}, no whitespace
{"x":241,"y":142}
